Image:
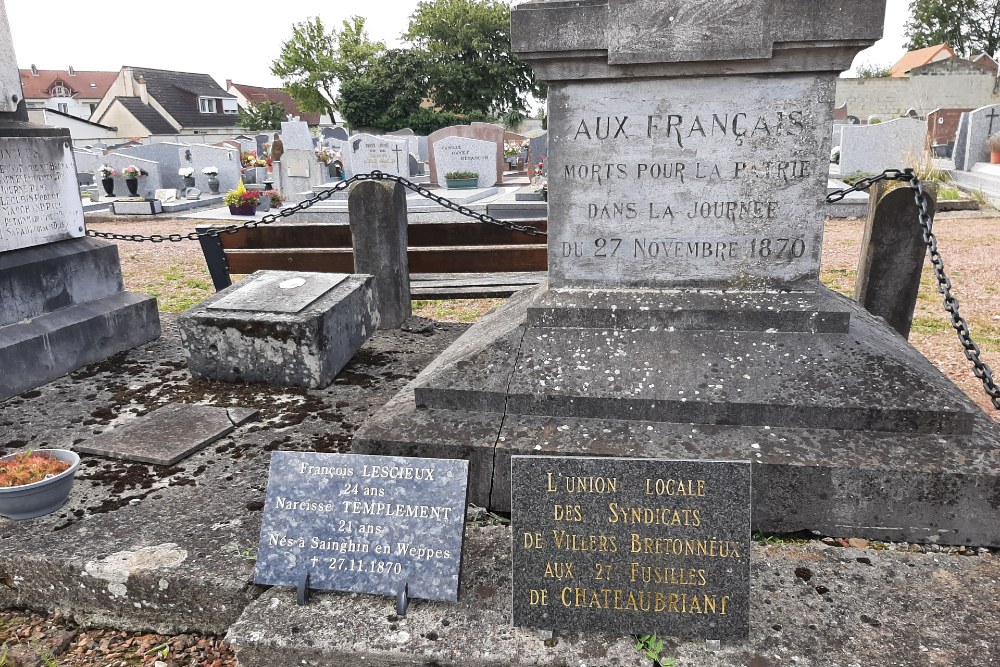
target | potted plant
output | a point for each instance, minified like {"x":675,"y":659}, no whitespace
{"x":35,"y":483}
{"x":242,"y":201}
{"x":213,"y":179}
{"x":277,"y":199}
{"x":459,"y":180}
{"x":187,"y":173}
{"x":106,"y":173}
{"x":994,"y":143}
{"x":132,"y":174}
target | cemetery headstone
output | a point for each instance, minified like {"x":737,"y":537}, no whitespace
{"x":462,"y":154}
{"x":416,"y":167}
{"x":683,"y":316}
{"x":166,"y":196}
{"x":631,"y":545}
{"x":340,"y":133}
{"x":364,"y":524}
{"x":423,"y":151}
{"x":482,"y":131}
{"x":369,"y":153}
{"x":961,"y":143}
{"x":983,"y":123}
{"x":192,"y":194}
{"x":200,"y":156}
{"x":62,"y":303}
{"x":166,"y":156}
{"x":295,"y":135}
{"x":888,"y":145}
{"x":262,"y":141}
{"x":538,"y":148}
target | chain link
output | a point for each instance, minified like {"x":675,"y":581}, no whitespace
{"x":315,"y":199}
{"x":980,"y":368}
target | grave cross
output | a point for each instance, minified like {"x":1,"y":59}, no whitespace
{"x":993,"y":115}
{"x":397,"y":150}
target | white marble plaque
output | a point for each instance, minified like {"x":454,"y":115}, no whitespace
{"x":39,"y":197}
{"x":688,"y":182}
{"x":463,"y":154}
{"x":369,"y":153}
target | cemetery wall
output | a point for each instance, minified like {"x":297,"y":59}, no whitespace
{"x":894,"y":96}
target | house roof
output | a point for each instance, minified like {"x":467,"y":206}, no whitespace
{"x":178,"y":93}
{"x":919,"y":57}
{"x":147,"y":115}
{"x":85,"y":84}
{"x":78,"y":119}
{"x":987,"y":61}
{"x":256,"y":94}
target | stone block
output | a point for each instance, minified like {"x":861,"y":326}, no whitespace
{"x":875,"y":148}
{"x":984,"y":122}
{"x":280,"y":327}
{"x":464,"y":154}
{"x":41,"y":349}
{"x":37,"y":280}
{"x":143,"y":207}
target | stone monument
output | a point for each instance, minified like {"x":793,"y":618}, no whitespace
{"x":62,"y":303}
{"x":684,"y":317}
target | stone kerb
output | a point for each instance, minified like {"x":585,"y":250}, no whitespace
{"x":462,"y":154}
{"x":481,"y":131}
{"x":369,"y":152}
{"x":888,"y":145}
{"x":983,"y":122}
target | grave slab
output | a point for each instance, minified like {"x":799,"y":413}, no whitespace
{"x":167,"y":435}
{"x":248,"y":333}
{"x":140,"y":207}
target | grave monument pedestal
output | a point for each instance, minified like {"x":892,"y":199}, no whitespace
{"x":684,"y":317}
{"x":62,"y":300}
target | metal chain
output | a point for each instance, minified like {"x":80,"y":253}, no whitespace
{"x":980,"y":368}
{"x":318,"y":197}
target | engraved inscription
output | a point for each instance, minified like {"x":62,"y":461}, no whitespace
{"x":39,"y":200}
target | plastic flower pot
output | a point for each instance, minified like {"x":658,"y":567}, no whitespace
{"x":246,"y":209}
{"x":40,"y":498}
{"x":461,"y":183}
{"x":994,"y":157}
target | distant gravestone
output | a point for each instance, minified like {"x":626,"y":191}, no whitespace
{"x":369,"y":153}
{"x":405,"y":132}
{"x":462,"y":154}
{"x":961,"y":143}
{"x":340,"y":133}
{"x":482,"y":131}
{"x":631,"y":546}
{"x":538,"y":149}
{"x":364,"y":524}
{"x":261,"y":140}
{"x":983,"y":123}
{"x":889,"y":145}
{"x":166,"y":196}
{"x":423,"y":151}
{"x":414,"y":164}
{"x":295,"y":135}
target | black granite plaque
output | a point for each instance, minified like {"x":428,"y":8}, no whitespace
{"x":365,"y":524}
{"x":632,"y":545}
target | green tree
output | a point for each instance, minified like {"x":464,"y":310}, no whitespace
{"x":314,"y":62}
{"x":388,"y":92}
{"x":870,"y":71}
{"x":473,"y":68}
{"x":969,"y":26}
{"x":266,"y":115}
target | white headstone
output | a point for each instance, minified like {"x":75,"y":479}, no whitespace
{"x":983,"y":123}
{"x":463,"y":154}
{"x":874,"y":148}
{"x":369,"y":153}
{"x":295,"y":135}
{"x":166,"y":196}
{"x":39,"y":196}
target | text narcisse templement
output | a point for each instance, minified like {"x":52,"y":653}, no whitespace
{"x":364,"y":523}
{"x":631,"y":545}
{"x":39,"y":197}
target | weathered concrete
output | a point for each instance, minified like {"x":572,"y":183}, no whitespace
{"x":811,"y":605}
{"x":377,"y":212}
{"x":892,"y":256}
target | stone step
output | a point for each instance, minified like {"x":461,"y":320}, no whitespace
{"x":819,"y":311}
{"x":42,"y":279}
{"x":868,"y":379}
{"x":41,"y":349}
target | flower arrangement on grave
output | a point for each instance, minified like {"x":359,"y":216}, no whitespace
{"x":105,"y":171}
{"x":835,"y":155}
{"x":324,"y":155}
{"x":544,"y":191}
{"x":210,"y":171}
{"x":185,"y":172}
{"x":277,"y":199}
{"x":28,"y":467}
{"x":251,"y":159}
{"x":512,"y":148}
{"x":461,"y":179}
{"x":132,"y":172}
{"x":241,"y":197}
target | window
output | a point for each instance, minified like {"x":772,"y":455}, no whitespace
{"x":59,"y":90}
{"x":206,"y":105}
{"x":63,"y":107}
{"x":229,"y":106}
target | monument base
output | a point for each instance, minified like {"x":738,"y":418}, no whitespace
{"x":851,"y":431}
{"x":62,"y":306}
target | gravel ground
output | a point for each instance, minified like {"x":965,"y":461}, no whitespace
{"x":175,"y":273}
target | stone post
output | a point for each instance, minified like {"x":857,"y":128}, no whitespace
{"x":378,"y":227}
{"x":892,"y":256}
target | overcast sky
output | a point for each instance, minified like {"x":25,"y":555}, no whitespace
{"x":229,"y":40}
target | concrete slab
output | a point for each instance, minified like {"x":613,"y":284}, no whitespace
{"x":167,"y":435}
{"x":137,"y":207}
